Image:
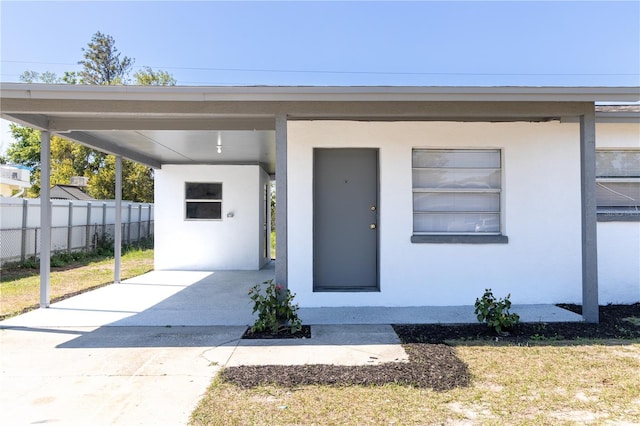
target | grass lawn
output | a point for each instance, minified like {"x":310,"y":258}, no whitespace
{"x":20,"y":288}
{"x":554,"y":383}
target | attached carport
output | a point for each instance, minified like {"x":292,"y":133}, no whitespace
{"x":184,"y":125}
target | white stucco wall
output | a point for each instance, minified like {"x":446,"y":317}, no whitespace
{"x":618,"y":242}
{"x":541,"y":215}
{"x":232,"y":243}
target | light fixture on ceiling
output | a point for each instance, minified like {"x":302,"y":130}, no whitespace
{"x":219,"y":144}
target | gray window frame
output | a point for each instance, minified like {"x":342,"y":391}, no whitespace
{"x":617,"y":214}
{"x":461,"y":237}
{"x":187,"y":201}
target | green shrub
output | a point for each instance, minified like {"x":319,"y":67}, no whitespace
{"x":30,"y":263}
{"x":495,"y":312}
{"x":276,"y":311}
{"x":104,"y":245}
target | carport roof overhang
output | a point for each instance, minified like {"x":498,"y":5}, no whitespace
{"x":182,"y":124}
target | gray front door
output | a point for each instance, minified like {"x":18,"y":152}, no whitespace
{"x":345,"y":219}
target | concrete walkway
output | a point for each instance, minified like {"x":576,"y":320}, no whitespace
{"x":144,"y":351}
{"x":179,"y":298}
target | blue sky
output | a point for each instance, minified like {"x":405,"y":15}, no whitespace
{"x":337,"y":43}
{"x":574,"y":43}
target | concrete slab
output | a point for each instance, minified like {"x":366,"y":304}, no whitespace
{"x":329,"y":344}
{"x":158,"y":298}
{"x":427,"y":315}
{"x":183,"y":298}
{"x":105,"y":376}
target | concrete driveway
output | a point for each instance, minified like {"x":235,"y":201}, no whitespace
{"x":126,"y":354}
{"x":106,"y":375}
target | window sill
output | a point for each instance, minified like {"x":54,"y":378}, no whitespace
{"x":619,"y":216}
{"x":459,"y":239}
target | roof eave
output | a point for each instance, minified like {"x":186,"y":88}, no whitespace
{"x":321,"y":93}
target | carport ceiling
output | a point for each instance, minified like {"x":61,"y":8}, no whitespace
{"x":190,"y":146}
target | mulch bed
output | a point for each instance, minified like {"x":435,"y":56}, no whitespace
{"x":432,"y":362}
{"x":305,"y":333}
{"x":616,"y":322}
{"x":429,"y":366}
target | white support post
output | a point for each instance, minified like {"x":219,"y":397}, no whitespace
{"x":117,"y":232}
{"x":45,"y":219}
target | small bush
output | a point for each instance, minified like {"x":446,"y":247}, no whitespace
{"x":30,"y":263}
{"x":495,"y":312}
{"x":103,"y":244}
{"x":276,"y":311}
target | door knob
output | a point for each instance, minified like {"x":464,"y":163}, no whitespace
{"x":373,"y":208}
{"x":372,"y":226}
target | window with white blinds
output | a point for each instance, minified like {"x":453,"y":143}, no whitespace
{"x":618,"y":179}
{"x":456,"y":191}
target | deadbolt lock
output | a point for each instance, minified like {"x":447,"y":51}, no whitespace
{"x":373,"y":208}
{"x":372,"y":226}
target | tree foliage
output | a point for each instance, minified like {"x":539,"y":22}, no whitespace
{"x":46,"y":77}
{"x":137,"y":181}
{"x":67,"y":158}
{"x":148,"y":77}
{"x":102,"y":63}
{"x":70,"y":159}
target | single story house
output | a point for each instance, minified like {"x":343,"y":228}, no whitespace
{"x":385,"y":196}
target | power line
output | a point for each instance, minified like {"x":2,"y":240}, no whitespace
{"x":405,"y":73}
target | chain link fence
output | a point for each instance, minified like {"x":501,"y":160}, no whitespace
{"x":76,"y":226}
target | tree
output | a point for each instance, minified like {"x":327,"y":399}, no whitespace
{"x":29,"y":76}
{"x":149,"y":77}
{"x":102,"y":63}
{"x":137,"y":181}
{"x":67,"y":158}
{"x":72,"y":159}
{"x":47,"y":77}
{"x":70,"y":77}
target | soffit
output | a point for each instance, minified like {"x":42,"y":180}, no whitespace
{"x":165,"y":125}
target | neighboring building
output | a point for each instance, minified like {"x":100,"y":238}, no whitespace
{"x":74,"y":191}
{"x":386,"y":196}
{"x":14,"y":180}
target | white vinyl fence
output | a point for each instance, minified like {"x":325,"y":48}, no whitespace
{"x":76,"y":225}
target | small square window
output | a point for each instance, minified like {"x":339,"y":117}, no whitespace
{"x":203,"y":201}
